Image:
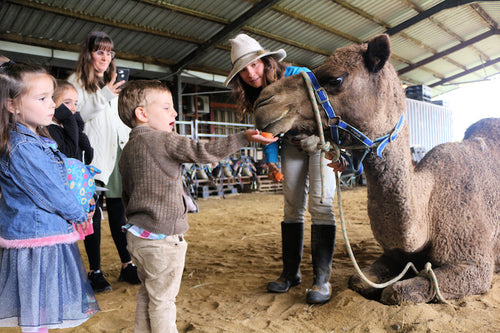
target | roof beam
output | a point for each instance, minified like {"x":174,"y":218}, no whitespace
{"x":448,"y":51}
{"x":102,"y":20}
{"x":426,"y":14}
{"x":471,"y":70}
{"x":223,"y":34}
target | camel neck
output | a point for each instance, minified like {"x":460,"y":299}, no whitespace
{"x":391,"y":205}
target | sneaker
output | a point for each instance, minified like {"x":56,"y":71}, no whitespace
{"x":129,"y":274}
{"x":98,"y":282}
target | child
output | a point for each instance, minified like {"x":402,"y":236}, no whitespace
{"x":43,"y":284}
{"x":153,"y":195}
{"x":67,"y":126}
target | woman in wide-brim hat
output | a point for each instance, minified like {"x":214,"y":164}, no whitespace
{"x":253,"y":68}
{"x":246,"y":56}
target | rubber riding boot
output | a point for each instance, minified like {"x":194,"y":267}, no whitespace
{"x":292,"y":241}
{"x":322,"y":245}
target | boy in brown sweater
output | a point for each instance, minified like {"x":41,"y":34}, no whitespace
{"x":154,"y":197}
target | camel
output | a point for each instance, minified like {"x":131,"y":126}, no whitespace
{"x":445,"y":210}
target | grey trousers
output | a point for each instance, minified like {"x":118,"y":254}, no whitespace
{"x":302,"y":186}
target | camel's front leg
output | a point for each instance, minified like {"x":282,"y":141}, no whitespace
{"x":382,"y":270}
{"x":454,"y":281}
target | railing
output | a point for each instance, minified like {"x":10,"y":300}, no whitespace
{"x":192,"y":129}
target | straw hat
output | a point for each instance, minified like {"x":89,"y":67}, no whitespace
{"x":244,"y":50}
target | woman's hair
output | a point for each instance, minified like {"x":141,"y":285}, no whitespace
{"x":246,"y":95}
{"x":61,"y":87}
{"x":85,"y":72}
{"x":14,"y":84}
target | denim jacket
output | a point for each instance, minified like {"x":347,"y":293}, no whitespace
{"x":36,"y":205}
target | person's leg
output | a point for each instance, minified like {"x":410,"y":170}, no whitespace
{"x":93,"y":242}
{"x":294,"y":167}
{"x":117,"y":219}
{"x":161,"y":263}
{"x":321,"y":211}
{"x":135,"y":244}
{"x":323,"y":228}
{"x":93,"y":248}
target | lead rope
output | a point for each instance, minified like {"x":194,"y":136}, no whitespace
{"x":326,"y":147}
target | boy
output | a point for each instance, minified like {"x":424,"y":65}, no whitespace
{"x":154,"y":197}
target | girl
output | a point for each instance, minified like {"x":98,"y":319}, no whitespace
{"x":42,"y":278}
{"x":252,"y":69}
{"x":94,"y":79}
{"x":67,"y":125}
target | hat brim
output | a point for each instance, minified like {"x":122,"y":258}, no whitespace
{"x":246,"y":60}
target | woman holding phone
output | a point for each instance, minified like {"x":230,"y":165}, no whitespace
{"x":95,"y":81}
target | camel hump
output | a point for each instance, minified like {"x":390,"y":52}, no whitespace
{"x":487,"y":128}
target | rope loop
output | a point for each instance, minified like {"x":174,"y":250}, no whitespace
{"x":325,"y":146}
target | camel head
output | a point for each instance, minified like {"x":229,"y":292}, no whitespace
{"x":362,"y":86}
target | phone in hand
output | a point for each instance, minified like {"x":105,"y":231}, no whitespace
{"x":122,"y":74}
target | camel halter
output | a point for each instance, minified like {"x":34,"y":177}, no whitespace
{"x":318,"y":95}
{"x":365,"y":143}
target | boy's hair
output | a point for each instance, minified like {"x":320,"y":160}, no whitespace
{"x":61,"y":87}
{"x":12,"y":86}
{"x":133,"y":95}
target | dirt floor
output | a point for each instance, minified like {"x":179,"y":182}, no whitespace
{"x":235,"y":249}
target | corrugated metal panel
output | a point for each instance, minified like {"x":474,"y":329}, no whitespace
{"x":429,"y":124}
{"x":455,"y":18}
{"x":193,"y":22}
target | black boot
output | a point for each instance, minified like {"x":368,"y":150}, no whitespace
{"x":322,"y":245}
{"x":292,"y":241}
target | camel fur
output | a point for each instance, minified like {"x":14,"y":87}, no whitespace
{"x":445,"y":210}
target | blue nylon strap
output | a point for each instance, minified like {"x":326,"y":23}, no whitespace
{"x":380,"y":143}
{"x":358,"y":169}
{"x":356,"y":133}
{"x":321,"y":96}
{"x":383,"y":141}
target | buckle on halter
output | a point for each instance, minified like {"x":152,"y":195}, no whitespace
{"x":324,"y":96}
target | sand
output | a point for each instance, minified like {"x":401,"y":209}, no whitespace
{"x":235,"y":249}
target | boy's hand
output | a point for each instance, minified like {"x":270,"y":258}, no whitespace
{"x":255,"y":136}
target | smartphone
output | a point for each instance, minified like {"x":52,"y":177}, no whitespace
{"x":122,"y":74}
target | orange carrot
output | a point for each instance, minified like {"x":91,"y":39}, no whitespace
{"x":267,"y":135}
{"x":278,"y":175}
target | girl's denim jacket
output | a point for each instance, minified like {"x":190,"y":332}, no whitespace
{"x":36,"y":205}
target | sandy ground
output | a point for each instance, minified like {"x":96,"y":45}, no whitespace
{"x":235,"y":249}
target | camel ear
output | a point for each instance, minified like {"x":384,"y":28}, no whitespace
{"x":378,"y":52}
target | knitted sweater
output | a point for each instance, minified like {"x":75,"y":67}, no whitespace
{"x":150,"y":166}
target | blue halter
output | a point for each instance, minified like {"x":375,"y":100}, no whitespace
{"x":366,"y":144}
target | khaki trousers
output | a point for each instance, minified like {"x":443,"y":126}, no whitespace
{"x":160,"y":264}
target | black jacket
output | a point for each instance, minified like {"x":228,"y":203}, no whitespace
{"x":69,"y":137}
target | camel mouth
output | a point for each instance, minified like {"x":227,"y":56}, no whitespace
{"x":271,"y":125}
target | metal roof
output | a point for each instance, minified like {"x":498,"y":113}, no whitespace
{"x":435,"y":43}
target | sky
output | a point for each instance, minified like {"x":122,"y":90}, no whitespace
{"x":471,"y":102}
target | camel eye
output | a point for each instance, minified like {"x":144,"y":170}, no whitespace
{"x":336,"y":81}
